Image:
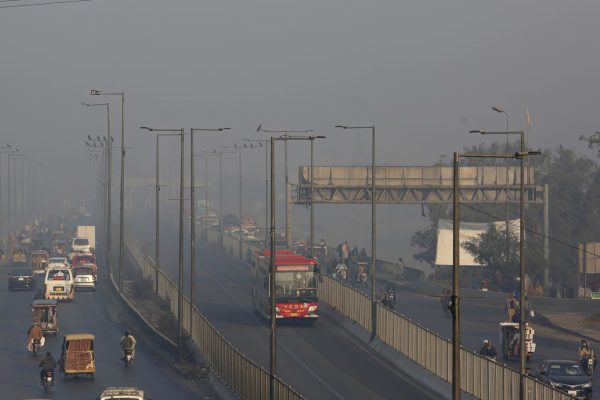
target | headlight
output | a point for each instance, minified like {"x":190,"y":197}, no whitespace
{"x":277,"y":309}
{"x":553,"y":383}
{"x":312,"y":308}
{"x":587,"y":385}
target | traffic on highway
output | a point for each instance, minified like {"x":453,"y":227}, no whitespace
{"x":276,"y":200}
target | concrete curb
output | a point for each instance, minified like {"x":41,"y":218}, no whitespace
{"x":220,"y":388}
{"x":165,"y":342}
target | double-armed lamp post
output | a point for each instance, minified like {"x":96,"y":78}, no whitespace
{"x":272,"y":267}
{"x":179,"y":132}
{"x":193,"y":215}
{"x":522,"y":312}
{"x":284,"y":136}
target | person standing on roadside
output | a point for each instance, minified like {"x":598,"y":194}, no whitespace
{"x":511,"y":306}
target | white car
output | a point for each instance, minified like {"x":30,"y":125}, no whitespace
{"x":126,"y":393}
{"x":81,"y":245}
{"x":58,"y":262}
{"x":59,"y":284}
{"x":84,"y":277}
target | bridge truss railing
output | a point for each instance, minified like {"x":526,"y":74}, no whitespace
{"x":245,"y":378}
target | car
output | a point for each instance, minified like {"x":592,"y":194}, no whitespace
{"x":55,"y":262}
{"x":85,"y":277}
{"x":566,"y":376}
{"x":21,"y":278}
{"x":124,"y":393}
{"x":59,"y":284}
{"x":80,"y":245}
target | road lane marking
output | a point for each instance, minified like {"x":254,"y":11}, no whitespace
{"x":283,"y":346}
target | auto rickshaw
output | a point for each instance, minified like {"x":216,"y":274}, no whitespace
{"x":510,"y":340}
{"x":45,"y":312}
{"x":77,"y":355}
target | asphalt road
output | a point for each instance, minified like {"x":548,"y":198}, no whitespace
{"x":480,"y":320}
{"x":323,"y":361}
{"x":89,"y":312}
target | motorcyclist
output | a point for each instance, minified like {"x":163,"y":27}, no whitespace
{"x":488,"y":350}
{"x":445,"y":298}
{"x":585,"y":353}
{"x":128,"y":342}
{"x":390,"y":296}
{"x":35,"y":333}
{"x":47,"y":365}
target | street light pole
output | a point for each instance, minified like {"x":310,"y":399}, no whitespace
{"x":272,"y":273}
{"x":288,"y":217}
{"x":1,"y":211}
{"x":522,"y":304}
{"x":260,"y":143}
{"x":109,"y":141}
{"x":193,"y":217}
{"x":179,"y":132}
{"x":373,"y":228}
{"x":273,"y":268}
{"x":94,"y":92}
{"x":220,"y":154}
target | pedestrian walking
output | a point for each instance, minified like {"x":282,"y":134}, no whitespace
{"x":511,"y":306}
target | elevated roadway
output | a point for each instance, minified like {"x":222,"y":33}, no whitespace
{"x":322,"y":361}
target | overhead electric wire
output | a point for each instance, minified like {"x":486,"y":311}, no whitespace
{"x":38,"y":4}
{"x":532,"y":231}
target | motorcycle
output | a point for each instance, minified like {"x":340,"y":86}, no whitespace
{"x":128,"y":357}
{"x":47,"y":380}
{"x":35,"y":346}
{"x":390,"y":299}
{"x":588,"y":365}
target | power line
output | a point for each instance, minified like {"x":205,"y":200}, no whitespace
{"x":38,"y":4}
{"x":532,"y":231}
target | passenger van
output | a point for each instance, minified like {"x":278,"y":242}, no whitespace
{"x":59,"y":284}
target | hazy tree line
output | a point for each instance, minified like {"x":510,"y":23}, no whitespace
{"x":574,"y":216}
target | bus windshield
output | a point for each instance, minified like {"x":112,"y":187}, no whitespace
{"x":296,"y":286}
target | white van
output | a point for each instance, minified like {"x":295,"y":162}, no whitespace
{"x":59,"y":284}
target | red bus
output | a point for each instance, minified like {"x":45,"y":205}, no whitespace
{"x":295,"y":286}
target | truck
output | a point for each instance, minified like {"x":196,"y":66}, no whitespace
{"x":78,"y":356}
{"x":79,"y":242}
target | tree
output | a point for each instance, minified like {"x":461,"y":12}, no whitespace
{"x":495,"y":249}
{"x":574,"y":214}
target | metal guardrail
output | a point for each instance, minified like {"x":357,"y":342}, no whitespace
{"x":480,"y":377}
{"x":245,"y":378}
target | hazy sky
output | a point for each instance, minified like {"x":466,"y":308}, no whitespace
{"x":422,"y":71}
